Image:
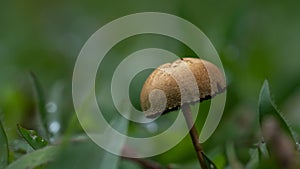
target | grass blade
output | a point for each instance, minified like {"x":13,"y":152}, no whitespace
{"x":35,"y":159}
{"x":3,"y":147}
{"x":41,"y":105}
{"x":267,"y":108}
{"x":110,"y":160}
{"x":84,"y":153}
{"x":32,"y":137}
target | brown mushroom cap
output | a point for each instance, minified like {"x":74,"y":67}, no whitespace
{"x":161,"y":92}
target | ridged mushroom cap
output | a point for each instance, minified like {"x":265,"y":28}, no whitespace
{"x":187,"y":80}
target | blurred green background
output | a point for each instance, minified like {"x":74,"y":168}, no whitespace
{"x":255,"y":40}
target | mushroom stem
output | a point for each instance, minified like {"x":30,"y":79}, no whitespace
{"x":193,"y":133}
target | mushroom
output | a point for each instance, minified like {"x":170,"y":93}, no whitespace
{"x":177,"y":85}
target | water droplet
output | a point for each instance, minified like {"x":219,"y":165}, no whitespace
{"x":51,"y":107}
{"x":152,"y":127}
{"x":52,"y":139}
{"x":54,"y":127}
{"x":34,"y":137}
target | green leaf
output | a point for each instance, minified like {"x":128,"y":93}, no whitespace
{"x":32,"y":137}
{"x":267,"y":108}
{"x":41,"y":103}
{"x":209,"y":163}
{"x":3,"y":147}
{"x":35,"y":159}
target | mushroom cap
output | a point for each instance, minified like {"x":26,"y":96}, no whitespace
{"x":187,"y":80}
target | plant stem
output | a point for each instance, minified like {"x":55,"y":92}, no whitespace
{"x":193,"y":133}
{"x":147,"y":164}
